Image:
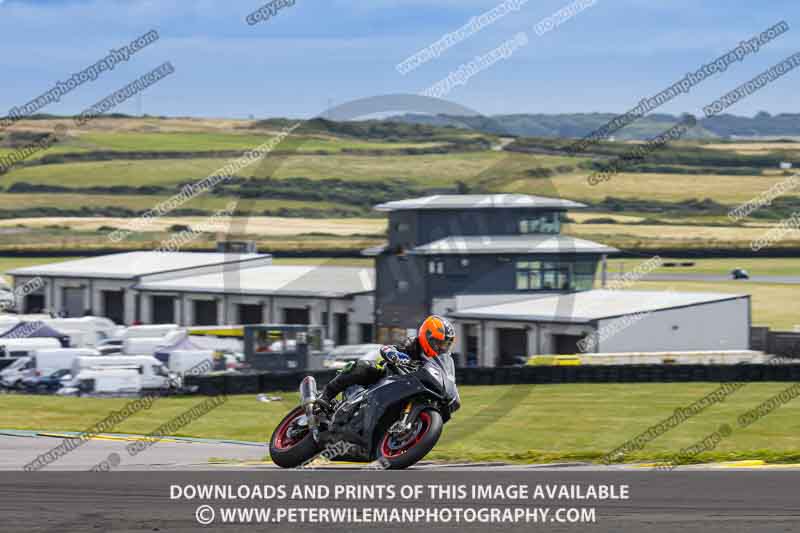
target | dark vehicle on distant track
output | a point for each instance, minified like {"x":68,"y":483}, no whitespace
{"x":739,"y":273}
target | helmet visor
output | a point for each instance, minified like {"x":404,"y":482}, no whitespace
{"x":441,"y":347}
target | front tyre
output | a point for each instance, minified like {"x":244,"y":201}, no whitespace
{"x":401,"y":451}
{"x":292,"y":444}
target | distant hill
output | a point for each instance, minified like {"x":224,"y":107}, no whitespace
{"x":576,"y":125}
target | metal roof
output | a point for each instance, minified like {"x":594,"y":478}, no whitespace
{"x":281,"y":280}
{"x":478,"y":201}
{"x":131,"y":265}
{"x":375,"y":250}
{"x":499,"y":244}
{"x":584,"y":307}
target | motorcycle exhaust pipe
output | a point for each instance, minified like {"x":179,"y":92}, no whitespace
{"x":308,"y":392}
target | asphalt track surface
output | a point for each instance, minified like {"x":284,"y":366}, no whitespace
{"x":190,"y":455}
{"x":135,"y":495}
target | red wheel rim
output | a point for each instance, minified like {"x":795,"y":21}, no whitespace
{"x":388,"y":451}
{"x":282,"y":438}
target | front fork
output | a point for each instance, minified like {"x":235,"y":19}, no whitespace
{"x":402,"y":425}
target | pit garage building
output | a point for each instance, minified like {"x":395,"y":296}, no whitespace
{"x":497,"y":330}
{"x":103,"y":285}
{"x":339,"y":298}
{"x":200,"y":289}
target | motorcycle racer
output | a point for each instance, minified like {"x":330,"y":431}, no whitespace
{"x":435,"y":337}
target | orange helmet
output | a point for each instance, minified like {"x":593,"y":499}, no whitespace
{"x":436,"y":336}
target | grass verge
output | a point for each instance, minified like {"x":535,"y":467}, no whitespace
{"x":521,"y":423}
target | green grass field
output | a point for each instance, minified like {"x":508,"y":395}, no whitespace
{"x":429,"y":170}
{"x":390,"y":176}
{"x":212,"y":141}
{"x":145,"y":202}
{"x":729,"y":190}
{"x":522,"y":423}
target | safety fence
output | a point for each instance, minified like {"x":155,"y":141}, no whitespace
{"x":266,"y":382}
{"x":781,"y":343}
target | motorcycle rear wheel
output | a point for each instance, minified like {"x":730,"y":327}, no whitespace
{"x":399,"y":453}
{"x":288,"y":451}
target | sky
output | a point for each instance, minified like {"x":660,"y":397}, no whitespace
{"x":317,"y":52}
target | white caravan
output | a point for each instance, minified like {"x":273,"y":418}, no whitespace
{"x":152,"y":371}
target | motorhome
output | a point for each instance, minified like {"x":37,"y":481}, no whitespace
{"x":149,"y":331}
{"x":152,"y":371}
{"x":50,"y":360}
{"x":141,"y":345}
{"x":144,"y":340}
{"x":25,"y":347}
{"x":94,"y":329}
{"x":195,"y":362}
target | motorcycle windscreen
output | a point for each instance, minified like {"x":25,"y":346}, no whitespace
{"x":445,"y":364}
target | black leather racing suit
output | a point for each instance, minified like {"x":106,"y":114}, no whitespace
{"x":365,"y":373}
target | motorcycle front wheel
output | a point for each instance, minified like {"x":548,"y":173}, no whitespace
{"x":291,"y":445}
{"x":397,"y":452}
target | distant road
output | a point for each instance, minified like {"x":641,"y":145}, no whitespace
{"x":714,"y":278}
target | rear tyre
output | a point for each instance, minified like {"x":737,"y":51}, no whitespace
{"x":290,"y":445}
{"x":399,"y":452}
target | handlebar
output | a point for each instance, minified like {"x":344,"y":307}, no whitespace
{"x":394,"y":362}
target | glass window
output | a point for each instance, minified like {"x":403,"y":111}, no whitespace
{"x":585,"y":267}
{"x":544,"y":223}
{"x":436,"y":267}
{"x":528,"y":276}
{"x":583,"y":283}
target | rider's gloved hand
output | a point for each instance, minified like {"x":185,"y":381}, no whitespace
{"x":388,"y":353}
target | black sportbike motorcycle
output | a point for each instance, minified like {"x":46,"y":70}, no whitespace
{"x":396,"y":421}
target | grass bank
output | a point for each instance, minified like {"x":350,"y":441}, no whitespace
{"x":522,"y":423}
